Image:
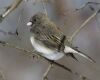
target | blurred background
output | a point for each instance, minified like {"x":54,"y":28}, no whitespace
{"x":16,"y":65}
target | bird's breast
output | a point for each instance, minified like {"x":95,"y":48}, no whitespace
{"x":45,"y":51}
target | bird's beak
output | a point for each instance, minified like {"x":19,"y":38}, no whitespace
{"x":29,"y":23}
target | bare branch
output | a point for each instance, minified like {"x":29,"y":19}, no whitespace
{"x":47,"y":71}
{"x":44,"y":7}
{"x":2,"y":43}
{"x":83,"y":25}
{"x":14,"y":5}
{"x":88,"y":3}
{"x":5,"y":44}
{"x":2,"y":76}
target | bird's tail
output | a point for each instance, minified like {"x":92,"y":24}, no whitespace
{"x":70,"y":50}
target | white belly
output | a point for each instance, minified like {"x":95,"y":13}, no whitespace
{"x":46,"y":52}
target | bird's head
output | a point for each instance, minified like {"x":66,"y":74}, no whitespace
{"x":37,"y":23}
{"x":37,"y":19}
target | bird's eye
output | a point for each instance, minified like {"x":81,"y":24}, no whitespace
{"x":37,"y":32}
{"x":34,"y":20}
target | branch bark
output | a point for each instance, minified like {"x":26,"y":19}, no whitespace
{"x":83,"y":25}
{"x":11,"y":8}
{"x":2,"y":43}
{"x":5,"y":44}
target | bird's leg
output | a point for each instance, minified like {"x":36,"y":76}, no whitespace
{"x":83,"y":25}
{"x":47,"y":71}
{"x":12,"y":7}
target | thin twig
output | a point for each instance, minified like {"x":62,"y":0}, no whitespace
{"x":2,"y":43}
{"x":14,"y":5}
{"x":35,"y":54}
{"x":47,"y":71}
{"x":2,"y":76}
{"x":5,"y":44}
{"x":84,"y":5}
{"x":44,"y":7}
{"x":82,"y":26}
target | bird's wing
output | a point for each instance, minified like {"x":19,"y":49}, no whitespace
{"x":75,"y":51}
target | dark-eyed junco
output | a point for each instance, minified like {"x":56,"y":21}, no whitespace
{"x":49,"y":40}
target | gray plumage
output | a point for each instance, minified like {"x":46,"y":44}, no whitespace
{"x":47,"y":34}
{"x":46,"y":31}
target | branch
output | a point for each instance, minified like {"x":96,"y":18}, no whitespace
{"x":84,"y":5}
{"x":44,"y":7}
{"x":2,"y":76}
{"x":82,"y":26}
{"x":5,"y":44}
{"x":2,"y":43}
{"x":14,"y":5}
{"x":59,"y":65}
{"x":47,"y":72}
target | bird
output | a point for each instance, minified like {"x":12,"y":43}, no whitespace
{"x":48,"y":39}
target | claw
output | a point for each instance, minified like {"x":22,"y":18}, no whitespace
{"x":76,"y":51}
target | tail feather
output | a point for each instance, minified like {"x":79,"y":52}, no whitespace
{"x":71,"y":55}
{"x":75,"y":51}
